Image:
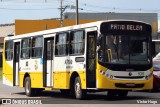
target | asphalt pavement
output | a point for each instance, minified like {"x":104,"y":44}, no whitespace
{"x":93,"y":99}
{"x":8,"y":91}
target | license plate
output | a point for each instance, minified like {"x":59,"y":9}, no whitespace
{"x":130,"y":84}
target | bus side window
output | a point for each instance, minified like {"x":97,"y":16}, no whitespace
{"x":25,"y":48}
{"x":37,"y":45}
{"x":77,"y":42}
{"x":9,"y":50}
{"x":61,"y":44}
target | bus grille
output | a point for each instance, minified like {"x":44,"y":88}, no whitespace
{"x":133,"y":77}
{"x":119,"y":85}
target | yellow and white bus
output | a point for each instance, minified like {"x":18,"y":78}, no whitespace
{"x":112,"y":56}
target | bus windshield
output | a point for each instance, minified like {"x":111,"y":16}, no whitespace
{"x":124,"y":49}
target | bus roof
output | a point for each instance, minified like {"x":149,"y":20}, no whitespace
{"x":63,"y":29}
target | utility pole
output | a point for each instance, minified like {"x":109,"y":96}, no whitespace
{"x":61,"y":14}
{"x":77,"y":20}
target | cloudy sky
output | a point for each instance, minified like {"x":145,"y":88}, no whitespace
{"x":45,"y":9}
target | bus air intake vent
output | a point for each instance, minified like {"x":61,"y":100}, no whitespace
{"x":119,"y":85}
{"x":132,"y":77}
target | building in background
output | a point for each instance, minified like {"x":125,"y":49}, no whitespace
{"x":28,"y":26}
{"x":7,"y":29}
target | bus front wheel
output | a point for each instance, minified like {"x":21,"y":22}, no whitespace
{"x":79,"y":93}
{"x":27,"y":86}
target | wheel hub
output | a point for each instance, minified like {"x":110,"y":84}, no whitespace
{"x":78,"y":89}
{"x":27,"y":87}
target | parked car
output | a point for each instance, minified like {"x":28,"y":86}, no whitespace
{"x":157,"y":57}
{"x":156,"y":71}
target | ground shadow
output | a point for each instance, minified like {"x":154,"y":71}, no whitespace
{"x":91,"y":98}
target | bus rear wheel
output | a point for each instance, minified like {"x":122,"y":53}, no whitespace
{"x":27,"y":86}
{"x":79,"y":93}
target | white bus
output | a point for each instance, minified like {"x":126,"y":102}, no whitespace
{"x":113,"y":56}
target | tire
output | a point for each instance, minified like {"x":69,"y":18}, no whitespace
{"x":79,"y":93}
{"x":122,"y":93}
{"x":27,"y":86}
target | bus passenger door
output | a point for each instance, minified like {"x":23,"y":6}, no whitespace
{"x":48,"y":62}
{"x":91,"y":59}
{"x":16,"y":64}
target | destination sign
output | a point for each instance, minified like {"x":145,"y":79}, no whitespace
{"x":125,"y":27}
{"x":128,"y":27}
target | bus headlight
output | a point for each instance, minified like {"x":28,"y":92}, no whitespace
{"x":111,"y":76}
{"x":102,"y":72}
{"x":106,"y":74}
